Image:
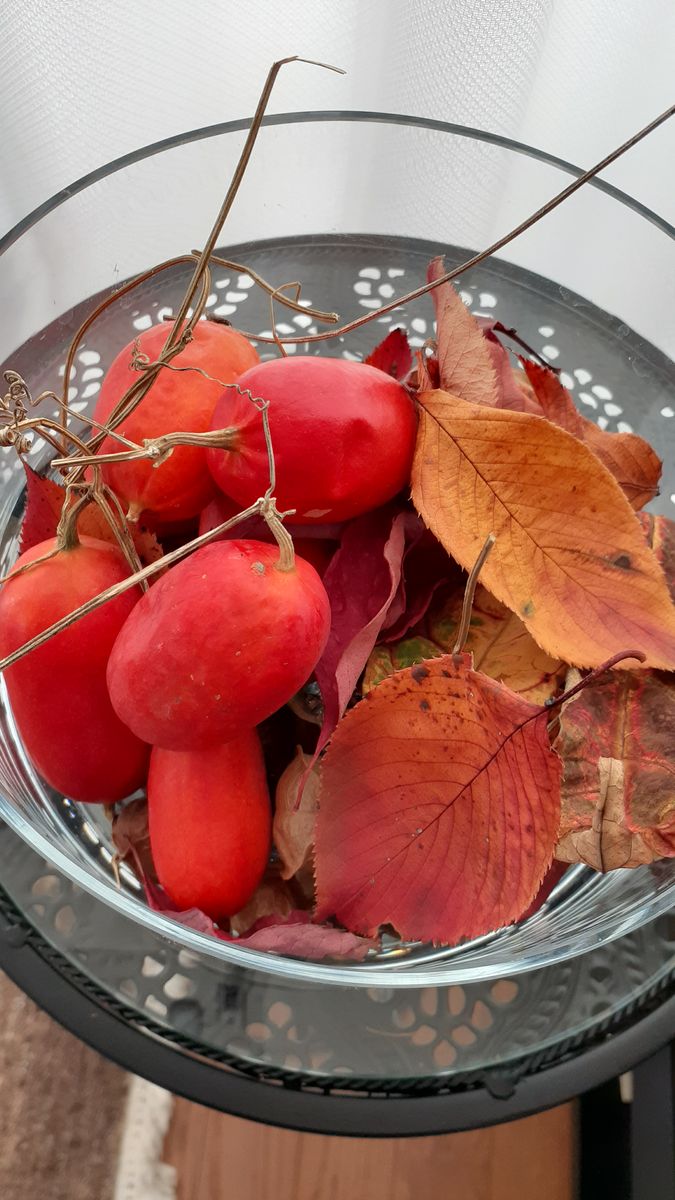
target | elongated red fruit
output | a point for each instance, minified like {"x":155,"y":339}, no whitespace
{"x":58,"y":692}
{"x":218,"y":644}
{"x":210,"y":824}
{"x":343,"y":435}
{"x":177,"y":401}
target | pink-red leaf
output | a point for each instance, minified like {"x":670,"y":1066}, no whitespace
{"x":514,"y":390}
{"x":361,"y":581}
{"x":630,"y":459}
{"x":44,"y":501}
{"x":439,"y":806}
{"x":296,"y":934}
{"x":393,"y":355}
{"x":464,"y":360}
{"x":426,"y":568}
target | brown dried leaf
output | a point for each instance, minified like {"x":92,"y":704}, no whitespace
{"x":293,"y":829}
{"x":616,"y":740}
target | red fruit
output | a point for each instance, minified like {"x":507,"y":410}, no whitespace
{"x":218,"y":644}
{"x":58,"y":692}
{"x":185,"y":401}
{"x":210,"y":824}
{"x":315,"y":550}
{"x":343,"y":435}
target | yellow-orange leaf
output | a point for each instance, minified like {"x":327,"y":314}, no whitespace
{"x":631,"y":460}
{"x":570,"y":557}
{"x":501,"y":646}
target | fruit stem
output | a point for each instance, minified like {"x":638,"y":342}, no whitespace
{"x":66,"y":530}
{"x":118,"y":589}
{"x":286,"y":560}
{"x":469,"y":592}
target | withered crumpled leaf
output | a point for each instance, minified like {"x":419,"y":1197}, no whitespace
{"x":570,"y":558}
{"x":616,"y":741}
{"x":440,"y":801}
{"x":293,"y":828}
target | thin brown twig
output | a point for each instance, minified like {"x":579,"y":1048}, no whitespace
{"x":328,"y":318}
{"x":474,"y":261}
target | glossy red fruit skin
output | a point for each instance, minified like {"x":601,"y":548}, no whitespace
{"x":223,"y":640}
{"x":343,"y":435}
{"x":58,"y":692}
{"x":210,"y":824}
{"x":181,"y":486}
{"x":315,"y":550}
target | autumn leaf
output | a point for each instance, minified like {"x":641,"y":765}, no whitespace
{"x":393,"y":355}
{"x":514,"y":389}
{"x":385,"y":660}
{"x":439,"y":806}
{"x":570,"y":558}
{"x":616,"y":740}
{"x":426,"y":568}
{"x":660,"y":535}
{"x":550,"y":880}
{"x":273,"y":897}
{"x":464,"y":361}
{"x":44,"y":501}
{"x":293,"y":829}
{"x":362,"y":581}
{"x":629,"y":458}
{"x":296,"y":934}
{"x":501,"y":646}
{"x":131,"y":836}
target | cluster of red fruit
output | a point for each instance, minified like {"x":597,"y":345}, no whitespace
{"x":167,"y":687}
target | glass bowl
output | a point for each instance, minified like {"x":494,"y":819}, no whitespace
{"x":354,"y":205}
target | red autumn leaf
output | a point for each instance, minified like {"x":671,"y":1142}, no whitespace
{"x":630,"y":459}
{"x":361,"y":581}
{"x":426,"y":568}
{"x":44,"y":501}
{"x":616,"y":740}
{"x":293,"y":829}
{"x":660,"y":535}
{"x":551,"y":878}
{"x":439,"y":806}
{"x":464,"y":361}
{"x":570,"y":558}
{"x":296,"y":934}
{"x":393,"y":355}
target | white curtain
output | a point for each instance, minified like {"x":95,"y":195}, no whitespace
{"x":83,"y":81}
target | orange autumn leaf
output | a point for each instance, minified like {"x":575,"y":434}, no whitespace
{"x":570,"y":558}
{"x":440,"y":799}
{"x":631,"y":460}
{"x":464,"y":362}
{"x":501,"y":646}
{"x":616,"y":741}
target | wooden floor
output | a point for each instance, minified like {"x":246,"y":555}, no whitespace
{"x":223,"y":1158}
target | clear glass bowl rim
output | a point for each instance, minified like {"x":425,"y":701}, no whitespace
{"x":305,"y":970}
